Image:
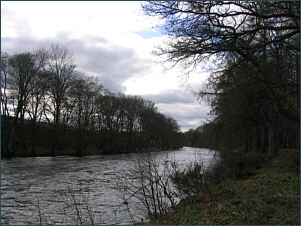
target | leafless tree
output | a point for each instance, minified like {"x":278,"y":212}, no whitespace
{"x":20,"y":79}
{"x":62,"y":75}
{"x":256,"y":34}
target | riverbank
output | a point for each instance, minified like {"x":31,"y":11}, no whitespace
{"x":270,"y":195}
{"x":91,"y":150}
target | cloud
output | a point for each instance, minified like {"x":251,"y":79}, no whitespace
{"x":187,"y":115}
{"x":108,"y":19}
{"x":113,"y":64}
{"x":11,"y":25}
{"x":182,"y":106}
{"x":110,"y":40}
{"x":100,"y":34}
{"x":171,"y":96}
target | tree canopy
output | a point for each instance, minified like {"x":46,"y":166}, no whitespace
{"x":255,"y":46}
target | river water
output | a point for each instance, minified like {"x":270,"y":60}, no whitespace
{"x":41,"y":190}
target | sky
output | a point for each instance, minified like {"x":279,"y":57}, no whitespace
{"x":112,"y":40}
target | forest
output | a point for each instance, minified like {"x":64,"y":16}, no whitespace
{"x":252,"y":51}
{"x":254,"y":83}
{"x":49,"y":107}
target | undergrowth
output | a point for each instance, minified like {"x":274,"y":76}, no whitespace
{"x":246,"y":190}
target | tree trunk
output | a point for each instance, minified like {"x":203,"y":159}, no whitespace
{"x":272,"y":133}
{"x":258,"y":138}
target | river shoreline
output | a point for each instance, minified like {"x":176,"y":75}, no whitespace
{"x":90,"y":151}
{"x":270,"y":196}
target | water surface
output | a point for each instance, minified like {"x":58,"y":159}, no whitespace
{"x":37,"y":190}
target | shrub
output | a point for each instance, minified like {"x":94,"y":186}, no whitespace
{"x":147,"y":181}
{"x":235,"y":165}
{"x":190,"y":181}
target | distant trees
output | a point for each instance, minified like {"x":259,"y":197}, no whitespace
{"x":254,"y":89}
{"x":193,"y":138}
{"x":81,"y":108}
{"x":20,"y":77}
{"x":128,"y":123}
{"x":46,"y":103}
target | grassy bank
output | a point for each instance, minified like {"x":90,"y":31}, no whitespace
{"x":268,"y":195}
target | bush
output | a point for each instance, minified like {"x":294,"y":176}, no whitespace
{"x":194,"y":180}
{"x":235,"y":165}
{"x":190,"y":181}
{"x":147,"y":181}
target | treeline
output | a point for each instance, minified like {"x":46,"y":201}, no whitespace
{"x":254,"y":86}
{"x":46,"y":103}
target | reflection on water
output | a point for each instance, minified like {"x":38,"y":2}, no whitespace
{"x":40,"y":186}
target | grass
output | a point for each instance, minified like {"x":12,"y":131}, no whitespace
{"x":270,"y":196}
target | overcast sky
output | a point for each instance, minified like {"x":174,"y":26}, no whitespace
{"x":111,"y":40}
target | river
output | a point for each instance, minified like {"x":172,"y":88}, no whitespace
{"x":41,"y":190}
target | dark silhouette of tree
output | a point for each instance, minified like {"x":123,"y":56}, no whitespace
{"x":257,"y":43}
{"x":20,"y":79}
{"x":62,"y":75}
{"x":82,"y":102}
{"x":5,"y":71}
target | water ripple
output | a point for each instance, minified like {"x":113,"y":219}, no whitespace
{"x":30,"y":185}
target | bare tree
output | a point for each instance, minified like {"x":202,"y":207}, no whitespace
{"x":62,"y":74}
{"x":82,"y":96}
{"x":199,"y":30}
{"x":21,"y":80}
{"x":264,"y":36}
{"x":5,"y":71}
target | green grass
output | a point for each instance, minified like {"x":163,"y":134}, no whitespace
{"x":271,"y":196}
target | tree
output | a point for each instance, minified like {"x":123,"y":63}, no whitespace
{"x":20,"y":73}
{"x":61,"y":70}
{"x":62,"y":75}
{"x":25,"y":68}
{"x":82,"y":100}
{"x":5,"y":71}
{"x":199,"y":30}
{"x":257,"y":34}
